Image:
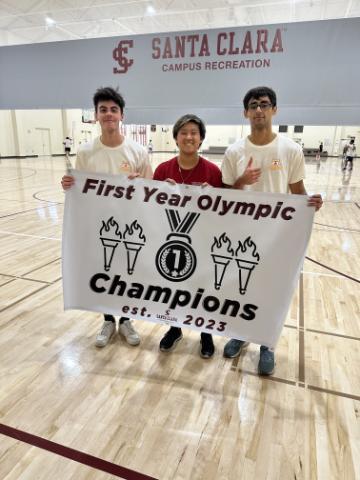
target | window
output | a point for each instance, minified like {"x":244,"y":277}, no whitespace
{"x":298,"y":129}
{"x":283,"y":128}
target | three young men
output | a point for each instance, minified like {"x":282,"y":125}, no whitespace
{"x":263,"y":162}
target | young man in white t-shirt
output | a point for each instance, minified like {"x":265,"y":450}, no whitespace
{"x":264,"y":162}
{"x":114,"y":154}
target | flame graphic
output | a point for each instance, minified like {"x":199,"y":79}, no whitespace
{"x":245,"y":248}
{"x":110,"y":225}
{"x":224,"y":244}
{"x":135,"y":232}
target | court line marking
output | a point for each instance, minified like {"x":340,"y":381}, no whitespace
{"x":345,"y":229}
{"x":299,"y":384}
{"x":301,"y":321}
{"x":14,"y":277}
{"x":46,"y":201}
{"x":42,"y":266}
{"x":333,"y":392}
{"x":72,"y":454}
{"x":23,"y":211}
{"x":333,"y":270}
{"x":23,"y":277}
{"x":26,"y":296}
{"x":31,"y":236}
{"x":333,"y":334}
{"x":320,"y":274}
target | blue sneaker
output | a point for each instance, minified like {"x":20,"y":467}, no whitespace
{"x":266,"y":362}
{"x":233,"y":348}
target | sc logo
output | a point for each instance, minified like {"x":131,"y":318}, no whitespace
{"x":119,"y":54}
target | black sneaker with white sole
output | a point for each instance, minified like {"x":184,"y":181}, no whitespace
{"x":170,"y":339}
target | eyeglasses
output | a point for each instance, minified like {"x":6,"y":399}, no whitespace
{"x":262,"y":105}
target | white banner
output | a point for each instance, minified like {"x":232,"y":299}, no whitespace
{"x":220,"y":261}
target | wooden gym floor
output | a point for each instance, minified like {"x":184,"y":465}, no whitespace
{"x":71,"y":411}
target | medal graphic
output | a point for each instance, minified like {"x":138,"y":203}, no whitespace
{"x":176,"y":259}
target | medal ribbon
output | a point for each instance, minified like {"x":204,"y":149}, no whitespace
{"x":181,"y":226}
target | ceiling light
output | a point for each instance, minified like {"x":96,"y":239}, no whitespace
{"x":49,"y":21}
{"x":150,"y":10}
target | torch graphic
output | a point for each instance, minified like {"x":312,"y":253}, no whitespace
{"x":134,"y":240}
{"x":110,"y":237}
{"x":248,"y":260}
{"x":222,"y":254}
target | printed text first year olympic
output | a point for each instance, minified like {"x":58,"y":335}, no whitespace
{"x":204,"y":202}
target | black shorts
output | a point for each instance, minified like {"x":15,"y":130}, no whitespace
{"x":67,"y":149}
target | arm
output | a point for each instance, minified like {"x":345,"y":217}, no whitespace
{"x":233,"y":164}
{"x":146,"y":170}
{"x":68,"y":181}
{"x":298,"y":188}
{"x":161,"y":175}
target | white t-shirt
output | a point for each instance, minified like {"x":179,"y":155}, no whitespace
{"x":67,"y":142}
{"x":350,"y":150}
{"x":129,"y":157}
{"x":281,"y":162}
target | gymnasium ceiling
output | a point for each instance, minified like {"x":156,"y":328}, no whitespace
{"x":35,"y":21}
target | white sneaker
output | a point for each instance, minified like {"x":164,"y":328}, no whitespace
{"x":127,"y":330}
{"x":106,"y":332}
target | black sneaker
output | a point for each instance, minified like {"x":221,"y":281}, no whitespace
{"x":207,"y":348}
{"x":170,"y":339}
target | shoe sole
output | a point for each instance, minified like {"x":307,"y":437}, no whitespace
{"x":173,"y":346}
{"x":266,"y":374}
{"x":122,"y":336}
{"x":132,"y":344}
{"x":205,"y":357}
{"x":243,"y":347}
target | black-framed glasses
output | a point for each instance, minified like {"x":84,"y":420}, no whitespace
{"x":262,"y":105}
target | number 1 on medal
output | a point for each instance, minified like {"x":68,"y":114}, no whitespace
{"x":176,"y":252}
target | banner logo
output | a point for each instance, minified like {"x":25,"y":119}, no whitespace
{"x":119,"y":54}
{"x":176,"y":259}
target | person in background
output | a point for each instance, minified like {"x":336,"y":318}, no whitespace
{"x":349,"y":154}
{"x":319,"y":151}
{"x":111,"y":153}
{"x":264,"y":162}
{"x":191,"y":169}
{"x":67,"y":145}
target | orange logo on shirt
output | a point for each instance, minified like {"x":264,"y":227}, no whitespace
{"x":125,"y":167}
{"x":275,"y":164}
